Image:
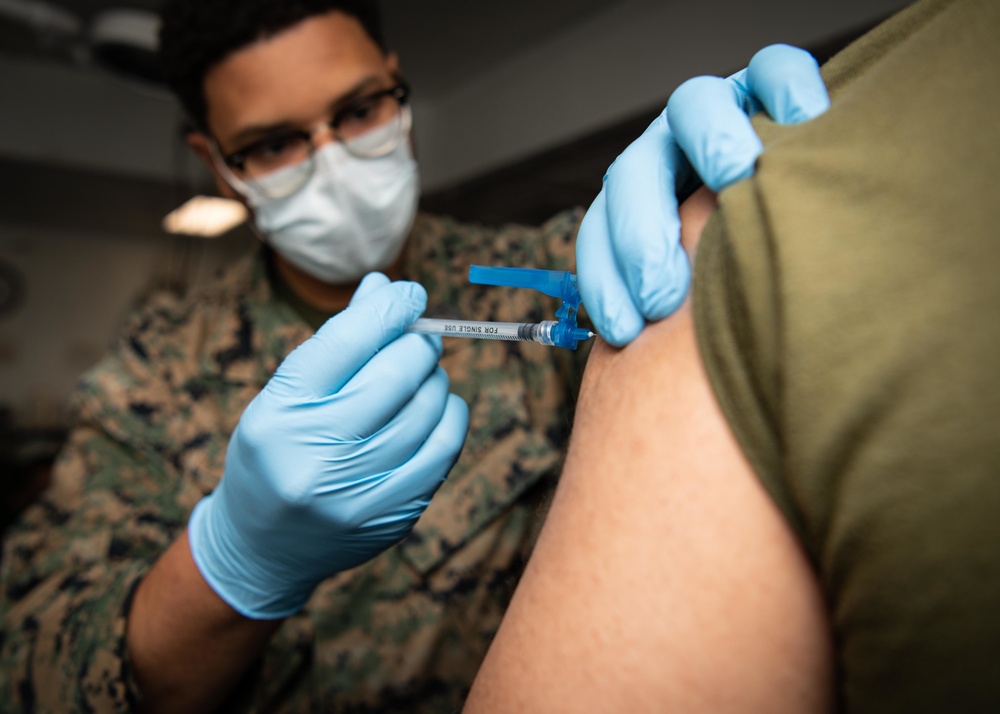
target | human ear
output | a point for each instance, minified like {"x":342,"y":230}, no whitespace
{"x":201,"y":145}
{"x":392,"y":62}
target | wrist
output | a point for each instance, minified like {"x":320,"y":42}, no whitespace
{"x":235,"y":572}
{"x":187,"y":646}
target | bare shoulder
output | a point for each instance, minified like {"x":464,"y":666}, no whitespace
{"x":664,"y":578}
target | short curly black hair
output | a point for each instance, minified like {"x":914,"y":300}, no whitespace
{"x":195,"y":35}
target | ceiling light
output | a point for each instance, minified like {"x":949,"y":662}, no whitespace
{"x":125,"y":40}
{"x":205,"y":216}
{"x":121,"y":39}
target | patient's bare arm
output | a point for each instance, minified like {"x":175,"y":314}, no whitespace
{"x":664,"y":579}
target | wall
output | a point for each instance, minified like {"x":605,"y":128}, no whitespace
{"x":79,"y":289}
{"x":78,"y":116}
{"x":88,"y":165}
{"x":605,"y":69}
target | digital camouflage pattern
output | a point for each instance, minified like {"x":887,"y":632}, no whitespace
{"x":404,"y":632}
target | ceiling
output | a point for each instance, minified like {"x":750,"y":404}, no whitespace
{"x":442,"y":43}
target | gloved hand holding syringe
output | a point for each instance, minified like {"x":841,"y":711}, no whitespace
{"x":561,"y":332}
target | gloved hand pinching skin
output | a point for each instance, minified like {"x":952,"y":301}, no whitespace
{"x":336,"y":458}
{"x":630,"y":263}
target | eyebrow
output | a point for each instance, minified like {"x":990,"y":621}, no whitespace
{"x":249,"y":134}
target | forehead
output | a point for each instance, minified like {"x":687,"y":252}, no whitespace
{"x":292,"y":76}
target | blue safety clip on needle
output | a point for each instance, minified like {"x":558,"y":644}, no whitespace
{"x":561,"y":332}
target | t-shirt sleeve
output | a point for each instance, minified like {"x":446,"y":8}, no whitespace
{"x":848,"y":313}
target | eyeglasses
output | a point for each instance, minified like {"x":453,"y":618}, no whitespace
{"x":280,"y":164}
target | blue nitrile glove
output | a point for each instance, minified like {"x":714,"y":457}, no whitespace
{"x":336,"y":458}
{"x":630,"y":262}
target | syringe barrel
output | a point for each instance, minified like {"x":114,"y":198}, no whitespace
{"x":484,"y":330}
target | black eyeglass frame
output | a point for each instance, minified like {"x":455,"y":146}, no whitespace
{"x":400,"y":92}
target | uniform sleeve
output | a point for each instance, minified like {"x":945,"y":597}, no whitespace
{"x":72,"y":561}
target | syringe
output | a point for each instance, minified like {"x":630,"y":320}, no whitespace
{"x":561,"y":332}
{"x":546,"y":332}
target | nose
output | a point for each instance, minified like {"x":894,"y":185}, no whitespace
{"x":322,"y":135}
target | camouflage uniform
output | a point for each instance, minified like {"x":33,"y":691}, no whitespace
{"x":404,"y":632}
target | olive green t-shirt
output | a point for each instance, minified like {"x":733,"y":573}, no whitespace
{"x":847,"y":303}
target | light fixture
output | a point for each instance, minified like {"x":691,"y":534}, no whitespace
{"x":205,"y":216}
{"x":123,"y":40}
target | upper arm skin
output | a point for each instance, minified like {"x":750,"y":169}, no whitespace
{"x":664,"y":579}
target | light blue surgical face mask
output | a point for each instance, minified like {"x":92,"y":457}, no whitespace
{"x":351,"y":217}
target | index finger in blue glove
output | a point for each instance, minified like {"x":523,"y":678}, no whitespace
{"x":389,"y":381}
{"x":630,"y":262}
{"x":708,"y":121}
{"x":329,"y":359}
{"x":368,"y":285}
{"x":787,"y":82}
{"x":389,"y":509}
{"x":408,"y":431}
{"x":602,"y":287}
{"x":642,"y":216}
{"x":712,"y":125}
{"x":372,"y":282}
{"x":426,"y":471}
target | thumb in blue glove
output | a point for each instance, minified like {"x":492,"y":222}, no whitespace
{"x":335,"y":460}
{"x":630,"y":263}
